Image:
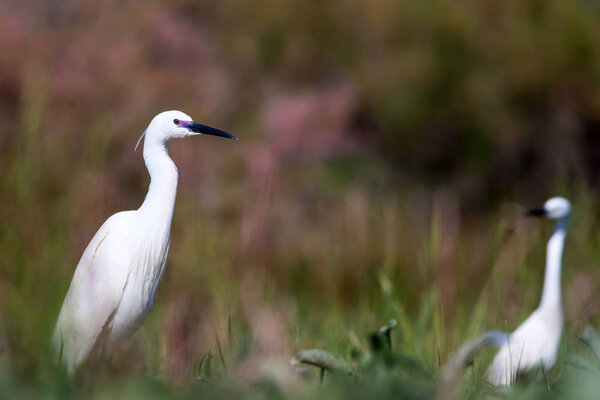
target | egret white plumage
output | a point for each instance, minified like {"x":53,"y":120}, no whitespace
{"x":535,"y":343}
{"x":114,"y":286}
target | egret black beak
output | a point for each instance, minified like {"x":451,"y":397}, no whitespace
{"x":206,"y":130}
{"x":537,"y":212}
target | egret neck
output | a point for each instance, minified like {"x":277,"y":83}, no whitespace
{"x":551,"y":298}
{"x":156,"y":213}
{"x":160,"y":200}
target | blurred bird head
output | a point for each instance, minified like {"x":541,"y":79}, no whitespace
{"x":554,"y":208}
{"x":176,"y":124}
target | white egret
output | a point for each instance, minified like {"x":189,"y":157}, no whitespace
{"x":114,"y":286}
{"x":535,"y":343}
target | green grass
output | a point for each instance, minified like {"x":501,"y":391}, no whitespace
{"x":233,"y":308}
{"x":221,"y":330}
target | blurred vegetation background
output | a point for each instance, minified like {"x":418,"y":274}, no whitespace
{"x":381,"y":145}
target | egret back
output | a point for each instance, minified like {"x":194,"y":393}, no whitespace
{"x":535,"y":343}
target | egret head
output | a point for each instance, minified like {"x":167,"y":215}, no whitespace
{"x":175,"y":124}
{"x":555,"y":208}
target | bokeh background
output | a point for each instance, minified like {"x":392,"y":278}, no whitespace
{"x":386,"y":149}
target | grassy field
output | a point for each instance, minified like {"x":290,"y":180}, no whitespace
{"x":220,"y":329}
{"x":387,"y":150}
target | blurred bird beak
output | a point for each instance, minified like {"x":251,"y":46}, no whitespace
{"x":537,"y":212}
{"x":207,"y":130}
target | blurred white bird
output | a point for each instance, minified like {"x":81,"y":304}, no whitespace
{"x":535,"y":343}
{"x":115,"y":283}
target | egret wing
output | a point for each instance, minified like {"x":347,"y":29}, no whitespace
{"x":94,"y":295}
{"x":532,"y":344}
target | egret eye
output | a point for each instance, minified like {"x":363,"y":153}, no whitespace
{"x":176,"y":121}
